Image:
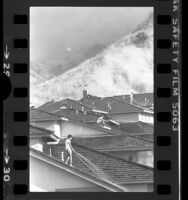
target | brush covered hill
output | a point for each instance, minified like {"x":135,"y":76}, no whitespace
{"x":126,"y":65}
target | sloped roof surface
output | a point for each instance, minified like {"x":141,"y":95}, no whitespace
{"x":112,"y":105}
{"x":142,"y":99}
{"x":67,"y":103}
{"x":136,"y":127}
{"x":111,"y":168}
{"x":39,"y":114}
{"x":112,"y":142}
{"x":78,"y":115}
{"x":146,"y":136}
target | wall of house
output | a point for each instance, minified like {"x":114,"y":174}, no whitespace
{"x":78,"y":130}
{"x":147,"y":187}
{"x":57,"y":128}
{"x":37,"y":143}
{"x":128,"y":117}
{"x":145,"y":158}
{"x":146,"y":117}
{"x":57,"y":179}
{"x":133,"y":117}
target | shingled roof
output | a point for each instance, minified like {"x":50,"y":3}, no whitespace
{"x":82,"y":174}
{"x":63,"y":104}
{"x":137,"y":127}
{"x":84,"y":116}
{"x":37,"y":114}
{"x":113,"y":142}
{"x":116,"y":170}
{"x":39,"y":132}
{"x":112,"y":105}
{"x":142,"y":99}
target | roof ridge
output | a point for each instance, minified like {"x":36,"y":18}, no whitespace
{"x":82,"y":146}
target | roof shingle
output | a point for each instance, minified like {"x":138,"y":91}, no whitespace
{"x":114,"y":169}
{"x":113,"y":142}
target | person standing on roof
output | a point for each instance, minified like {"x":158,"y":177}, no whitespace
{"x":69,"y":149}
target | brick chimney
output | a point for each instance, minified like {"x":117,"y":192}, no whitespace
{"x":85,"y":93}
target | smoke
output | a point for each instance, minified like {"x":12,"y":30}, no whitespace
{"x":125,"y":66}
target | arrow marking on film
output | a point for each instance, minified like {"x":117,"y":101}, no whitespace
{"x":6,"y":53}
{"x":6,"y":157}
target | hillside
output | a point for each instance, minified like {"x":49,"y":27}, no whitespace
{"x":126,"y":65}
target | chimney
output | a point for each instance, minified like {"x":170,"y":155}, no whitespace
{"x":85,"y":93}
{"x":131,"y":97}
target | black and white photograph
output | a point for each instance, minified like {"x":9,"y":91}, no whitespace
{"x":91,"y":99}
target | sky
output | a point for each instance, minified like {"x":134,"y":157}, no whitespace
{"x":58,"y":30}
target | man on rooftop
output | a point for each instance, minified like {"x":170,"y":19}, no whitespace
{"x":69,"y":149}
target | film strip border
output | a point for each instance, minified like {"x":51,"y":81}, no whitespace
{"x":16,"y":110}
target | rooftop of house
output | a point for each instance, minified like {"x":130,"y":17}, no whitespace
{"x":146,"y":136}
{"x":36,"y":113}
{"x":112,"y":142}
{"x":94,"y":178}
{"x":53,"y":107}
{"x":39,"y":132}
{"x":85,"y":119}
{"x":141,"y":99}
{"x":113,"y":105}
{"x":111,"y":168}
{"x":137,"y":127}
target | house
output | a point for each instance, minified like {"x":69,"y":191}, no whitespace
{"x":108,"y":173}
{"x":141,"y":99}
{"x":70,"y":121}
{"x":79,"y":123}
{"x":60,"y":177}
{"x":119,"y":110}
{"x":132,"y":145}
{"x":40,"y":137}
